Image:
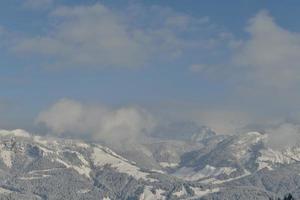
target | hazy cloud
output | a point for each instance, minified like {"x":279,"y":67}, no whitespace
{"x":73,"y":119}
{"x":221,"y":121}
{"x":283,"y":135}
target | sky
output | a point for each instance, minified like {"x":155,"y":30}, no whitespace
{"x":132,"y":64}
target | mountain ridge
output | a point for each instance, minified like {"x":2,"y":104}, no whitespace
{"x":39,"y":167}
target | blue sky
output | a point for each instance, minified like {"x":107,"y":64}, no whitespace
{"x":225,"y":65}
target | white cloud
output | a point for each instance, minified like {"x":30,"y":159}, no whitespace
{"x":71,"y":118}
{"x":267,"y":59}
{"x":97,"y":36}
{"x":87,"y":36}
{"x":271,"y":56}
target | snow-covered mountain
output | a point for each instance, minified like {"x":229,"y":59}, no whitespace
{"x":213,"y":167}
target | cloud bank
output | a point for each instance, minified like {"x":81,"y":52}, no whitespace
{"x":74,"y":119}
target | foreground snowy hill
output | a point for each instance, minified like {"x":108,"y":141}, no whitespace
{"x":215,"y":167}
{"x":32,"y":167}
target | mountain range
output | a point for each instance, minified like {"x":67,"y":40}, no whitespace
{"x":203,"y":165}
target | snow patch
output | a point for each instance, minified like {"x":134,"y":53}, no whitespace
{"x":188,"y":173}
{"x":149,"y":195}
{"x":83,"y":191}
{"x":6,"y":157}
{"x":4,"y":191}
{"x":82,"y":145}
{"x":43,"y":170}
{"x":34,"y":177}
{"x":200,"y":192}
{"x":83,"y":170}
{"x":246,"y":173}
{"x":242,"y":144}
{"x":181,"y":192}
{"x":167,"y":164}
{"x":270,"y":157}
{"x":101,"y":158}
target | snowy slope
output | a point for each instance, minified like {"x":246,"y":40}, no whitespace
{"x":36,"y":167}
